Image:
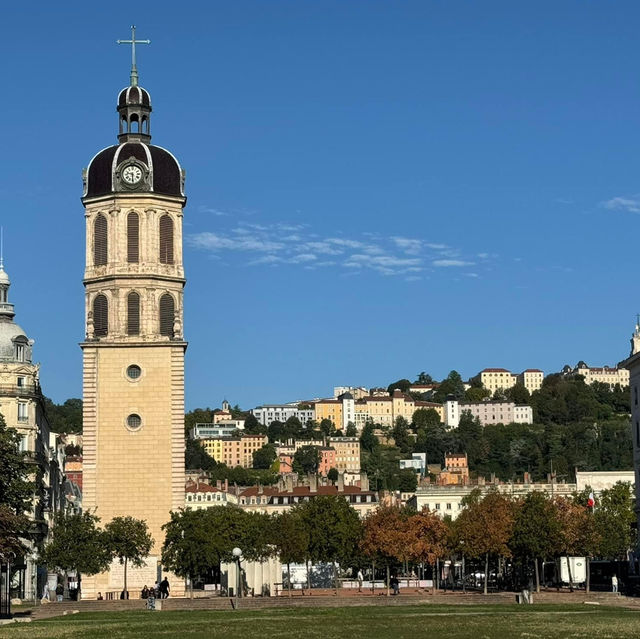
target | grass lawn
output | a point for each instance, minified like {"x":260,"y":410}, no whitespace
{"x":393,"y":622}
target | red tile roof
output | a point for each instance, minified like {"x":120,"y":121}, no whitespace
{"x":494,"y":370}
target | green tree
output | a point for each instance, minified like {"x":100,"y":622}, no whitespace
{"x":196,"y":457}
{"x":614,"y":519}
{"x":264,"y":457}
{"x":66,"y":417}
{"x":129,"y":541}
{"x":368,"y":440}
{"x":327,"y":427}
{"x":14,"y":530}
{"x":292,"y":428}
{"x":291,"y":540}
{"x":15,"y":490}
{"x":452,"y":385}
{"x":400,"y":434}
{"x":408,"y":481}
{"x":536,"y":530}
{"x":306,"y":460}
{"x":333,"y":475}
{"x":197,"y":416}
{"x":276,"y":431}
{"x":475,"y":394}
{"x":334,"y":528}
{"x":471,"y":437}
{"x":252,"y":426}
{"x":424,"y":378}
{"x":425,"y":417}
{"x":351,"y":430}
{"x":401,"y":385}
{"x":518,"y":394}
{"x":77,"y":544}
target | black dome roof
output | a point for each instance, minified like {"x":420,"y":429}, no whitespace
{"x":165,"y":173}
{"x":134,"y":95}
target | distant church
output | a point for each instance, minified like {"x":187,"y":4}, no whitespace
{"x":133,"y":352}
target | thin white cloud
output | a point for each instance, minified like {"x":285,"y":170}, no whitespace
{"x":447,"y":263}
{"x":212,"y":211}
{"x":630,"y":204}
{"x":283,"y":245}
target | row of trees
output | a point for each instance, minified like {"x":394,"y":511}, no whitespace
{"x":514,"y":535}
{"x":79,"y":545}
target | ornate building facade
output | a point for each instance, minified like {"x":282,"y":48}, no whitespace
{"x":22,"y":406}
{"x":133,"y":353}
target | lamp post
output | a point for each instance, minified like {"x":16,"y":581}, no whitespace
{"x":237,"y":556}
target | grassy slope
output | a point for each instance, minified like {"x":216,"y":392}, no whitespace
{"x":410,"y":622}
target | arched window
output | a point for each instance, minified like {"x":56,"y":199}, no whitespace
{"x":100,"y":240}
{"x":100,"y":316}
{"x":166,"y":240}
{"x":133,"y":314}
{"x":133,"y":238}
{"x":167,"y":310}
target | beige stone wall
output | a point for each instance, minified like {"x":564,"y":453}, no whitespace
{"x":137,"y":472}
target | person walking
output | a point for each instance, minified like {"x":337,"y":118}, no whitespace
{"x":614,"y":583}
{"x":164,"y":588}
{"x":145,"y":593}
{"x":360,"y":579}
{"x":395,"y":585}
{"x":59,"y":592}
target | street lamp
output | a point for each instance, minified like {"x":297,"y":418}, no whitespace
{"x":237,"y":556}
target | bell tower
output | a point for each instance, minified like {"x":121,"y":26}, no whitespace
{"x":133,"y":351}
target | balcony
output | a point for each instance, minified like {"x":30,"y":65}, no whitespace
{"x":13,"y":390}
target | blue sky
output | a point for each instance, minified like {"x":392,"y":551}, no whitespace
{"x":375,"y":188}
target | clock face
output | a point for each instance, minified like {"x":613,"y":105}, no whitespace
{"x":132,"y":174}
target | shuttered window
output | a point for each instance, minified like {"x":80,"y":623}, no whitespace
{"x":133,"y":314}
{"x":167,"y":310}
{"x":100,"y":240}
{"x":100,"y":316}
{"x":133,"y":238}
{"x":166,"y":240}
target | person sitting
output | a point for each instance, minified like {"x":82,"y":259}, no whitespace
{"x":145,"y":593}
{"x":124,"y":594}
{"x":100,"y":597}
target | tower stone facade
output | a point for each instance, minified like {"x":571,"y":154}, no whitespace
{"x":133,"y":352}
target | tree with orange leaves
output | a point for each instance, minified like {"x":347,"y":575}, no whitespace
{"x":485,"y":526}
{"x":385,"y":539}
{"x":427,"y":537}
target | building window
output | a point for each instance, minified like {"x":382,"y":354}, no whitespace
{"x":21,"y":381}
{"x":20,"y":348}
{"x":167,"y":312}
{"x":134,"y":371}
{"x":22,"y":412}
{"x":133,"y":238}
{"x":133,"y":314}
{"x":134,"y":421}
{"x":166,"y":240}
{"x":100,"y":316}
{"x":100,"y":243}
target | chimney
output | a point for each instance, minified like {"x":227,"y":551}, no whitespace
{"x":260,"y":490}
{"x":340,"y":482}
{"x":313,"y":483}
{"x":219,"y":484}
{"x":226,"y":485}
{"x":364,"y":482}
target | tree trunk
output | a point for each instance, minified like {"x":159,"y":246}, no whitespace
{"x":570,"y":575}
{"x":437,"y":575}
{"x":537,"y":571}
{"x":387,"y":580}
{"x":464,"y":584}
{"x":373,"y":577}
{"x":125,"y":577}
{"x":588,"y":584}
{"x":486,"y":573}
{"x":335,"y":578}
{"x":289,"y":577}
{"x":308,"y":577}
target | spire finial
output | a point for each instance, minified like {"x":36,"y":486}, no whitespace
{"x":133,"y":42}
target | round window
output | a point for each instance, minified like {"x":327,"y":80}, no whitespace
{"x":134,"y":421}
{"x":134,"y":372}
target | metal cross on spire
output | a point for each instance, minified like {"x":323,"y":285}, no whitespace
{"x":133,"y":42}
